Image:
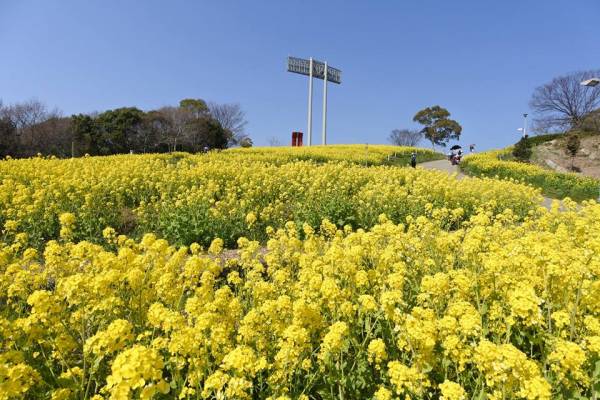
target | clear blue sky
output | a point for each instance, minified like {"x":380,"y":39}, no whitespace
{"x":479,"y":59}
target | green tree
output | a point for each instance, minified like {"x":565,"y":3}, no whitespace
{"x":205,"y":132}
{"x":438,"y":127}
{"x":246,"y":142}
{"x":591,"y":122}
{"x":522,"y":150}
{"x":85,"y":134}
{"x":572,"y":147}
{"x":197,"y":107}
{"x":8,"y":136}
{"x":117,"y":129}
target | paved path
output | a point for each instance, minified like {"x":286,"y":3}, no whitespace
{"x":444,"y":165}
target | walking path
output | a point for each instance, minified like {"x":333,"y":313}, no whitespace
{"x":444,"y":165}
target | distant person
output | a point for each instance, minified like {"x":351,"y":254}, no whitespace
{"x":206,"y":149}
{"x":471,"y":148}
{"x":413,"y":160}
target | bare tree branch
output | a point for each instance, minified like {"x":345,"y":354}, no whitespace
{"x":563,"y":103}
{"x":405,"y":137}
{"x":232,"y":118}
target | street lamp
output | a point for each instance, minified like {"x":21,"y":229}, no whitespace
{"x":525,"y":125}
{"x":591,"y":82}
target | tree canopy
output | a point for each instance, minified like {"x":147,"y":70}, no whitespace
{"x":405,"y":137}
{"x":30,"y":128}
{"x":438,"y":127}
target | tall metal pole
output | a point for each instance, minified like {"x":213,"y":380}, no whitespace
{"x":310,"y":84}
{"x":525,"y":125}
{"x":324,"y":133}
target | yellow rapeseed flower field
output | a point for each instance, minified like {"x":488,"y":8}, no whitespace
{"x":348,"y":282}
{"x":553,"y":184}
{"x":355,"y":153}
{"x":195,"y":198}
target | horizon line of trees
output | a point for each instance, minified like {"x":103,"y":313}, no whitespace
{"x":29,"y":128}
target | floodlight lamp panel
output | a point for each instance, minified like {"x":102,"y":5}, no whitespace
{"x":591,"y":82}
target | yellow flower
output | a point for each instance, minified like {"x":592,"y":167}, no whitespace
{"x":61,"y":394}
{"x":367,"y":303}
{"x":334,"y":340}
{"x":452,"y":391}
{"x":216,"y":246}
{"x":66,"y":219}
{"x":250,"y":218}
{"x":567,"y":360}
{"x":376,"y":351}
{"x":406,"y":380}
{"x":136,"y":368}
{"x":524,"y":304}
{"x":383,"y":394}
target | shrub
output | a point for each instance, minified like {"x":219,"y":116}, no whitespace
{"x":572,"y":146}
{"x":522,"y":150}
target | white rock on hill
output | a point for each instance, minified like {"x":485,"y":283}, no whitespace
{"x":555,"y":166}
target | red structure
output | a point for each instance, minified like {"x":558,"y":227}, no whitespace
{"x":297,"y":139}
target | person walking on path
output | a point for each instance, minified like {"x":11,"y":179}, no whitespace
{"x":413,"y":160}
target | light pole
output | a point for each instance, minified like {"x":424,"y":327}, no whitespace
{"x":324,"y":131}
{"x":310,"y":82}
{"x":525,"y":125}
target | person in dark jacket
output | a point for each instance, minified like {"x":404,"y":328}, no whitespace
{"x":413,"y":160}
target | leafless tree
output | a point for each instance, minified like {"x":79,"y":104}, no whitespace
{"x":153,"y":131}
{"x":29,"y":113}
{"x":27,"y":118}
{"x":563,"y":103}
{"x":53,"y":136}
{"x":405,"y":137}
{"x":179,"y":119}
{"x":274,"y":141}
{"x":232,"y":118}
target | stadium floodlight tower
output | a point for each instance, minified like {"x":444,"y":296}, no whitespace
{"x":320,"y":70}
